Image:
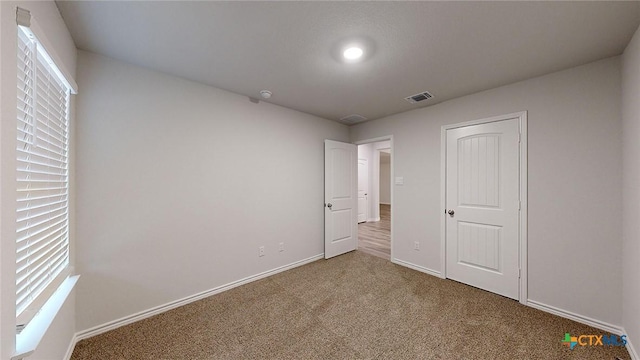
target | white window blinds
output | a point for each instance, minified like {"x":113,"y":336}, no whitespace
{"x":42,"y":173}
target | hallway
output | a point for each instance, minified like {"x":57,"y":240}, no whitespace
{"x":375,"y":237}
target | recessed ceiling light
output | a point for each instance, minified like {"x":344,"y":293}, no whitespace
{"x":353,"y":53}
{"x":265,"y":94}
{"x":352,"y":50}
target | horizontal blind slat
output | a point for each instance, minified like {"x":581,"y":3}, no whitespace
{"x":53,"y":146}
{"x":30,"y":164}
{"x":39,"y":209}
{"x":41,"y":279}
{"x":24,"y":154}
{"x":32,"y":291}
{"x":42,"y":190}
{"x":48,"y":173}
{"x":42,"y":218}
{"x":53,"y":232}
{"x":46,"y":268}
{"x":35,"y":198}
{"x":33,"y":230}
{"x":34,"y":256}
{"x":56,"y":127}
{"x":41,"y":257}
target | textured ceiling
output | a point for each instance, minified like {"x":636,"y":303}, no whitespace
{"x":448,"y":48}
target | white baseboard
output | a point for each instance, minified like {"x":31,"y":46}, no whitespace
{"x":613,"y":329}
{"x":632,"y":351}
{"x":630,"y":348}
{"x":184,"y":301}
{"x":373,"y":219}
{"x":72,"y":345}
{"x":417,"y":267}
{"x":385,"y":203}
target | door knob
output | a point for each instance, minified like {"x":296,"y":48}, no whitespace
{"x":451,"y":212}
{"x":329,"y":205}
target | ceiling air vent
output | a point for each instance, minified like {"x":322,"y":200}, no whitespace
{"x":419,"y":97}
{"x":352,"y":119}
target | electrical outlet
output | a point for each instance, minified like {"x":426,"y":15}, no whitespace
{"x":281,"y":247}
{"x":416,"y":245}
{"x":261,"y":251}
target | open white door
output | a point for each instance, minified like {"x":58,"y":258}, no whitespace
{"x":363,"y":186}
{"x":482,"y":200}
{"x":340,"y":197}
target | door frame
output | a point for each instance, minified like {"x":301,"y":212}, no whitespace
{"x":522,"y":231}
{"x":367,"y":205}
{"x":390,"y":139}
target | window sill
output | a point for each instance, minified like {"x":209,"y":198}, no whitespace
{"x":27,"y":341}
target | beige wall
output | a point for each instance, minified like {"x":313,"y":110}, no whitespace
{"x":575,"y":167}
{"x":370,"y":152}
{"x":631,"y":189}
{"x":385,"y":179}
{"x":180,"y":183}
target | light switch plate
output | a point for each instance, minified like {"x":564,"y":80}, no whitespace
{"x":399,"y":180}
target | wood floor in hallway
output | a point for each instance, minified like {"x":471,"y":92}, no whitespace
{"x":375,"y":237}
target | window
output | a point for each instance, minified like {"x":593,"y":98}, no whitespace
{"x":42,"y":164}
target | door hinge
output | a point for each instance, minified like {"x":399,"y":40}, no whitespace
{"x":519,"y":273}
{"x":519,"y":137}
{"x":519,"y":205}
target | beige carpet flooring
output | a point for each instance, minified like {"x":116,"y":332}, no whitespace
{"x":355,"y":306}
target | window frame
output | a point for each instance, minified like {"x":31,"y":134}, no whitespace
{"x":26,"y":342}
{"x":42,"y":156}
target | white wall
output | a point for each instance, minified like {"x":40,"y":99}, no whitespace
{"x":631,"y":189}
{"x":374,"y":172}
{"x":575,"y":201}
{"x":370,"y":152}
{"x":180,"y":183}
{"x":56,"y":341}
{"x":365,"y":151}
{"x":385,"y":179}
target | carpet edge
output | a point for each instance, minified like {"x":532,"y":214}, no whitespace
{"x":417,"y":268}
{"x":614,"y":329}
{"x":126,"y":320}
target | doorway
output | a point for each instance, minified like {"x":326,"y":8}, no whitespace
{"x":375,"y":233}
{"x":484,"y":199}
{"x":363,"y":189}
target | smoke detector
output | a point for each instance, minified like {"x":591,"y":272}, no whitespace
{"x":352,"y":119}
{"x":414,"y":99}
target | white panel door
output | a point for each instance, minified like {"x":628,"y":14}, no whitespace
{"x":340,"y":196}
{"x":363,"y":186}
{"x":482,"y":199}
